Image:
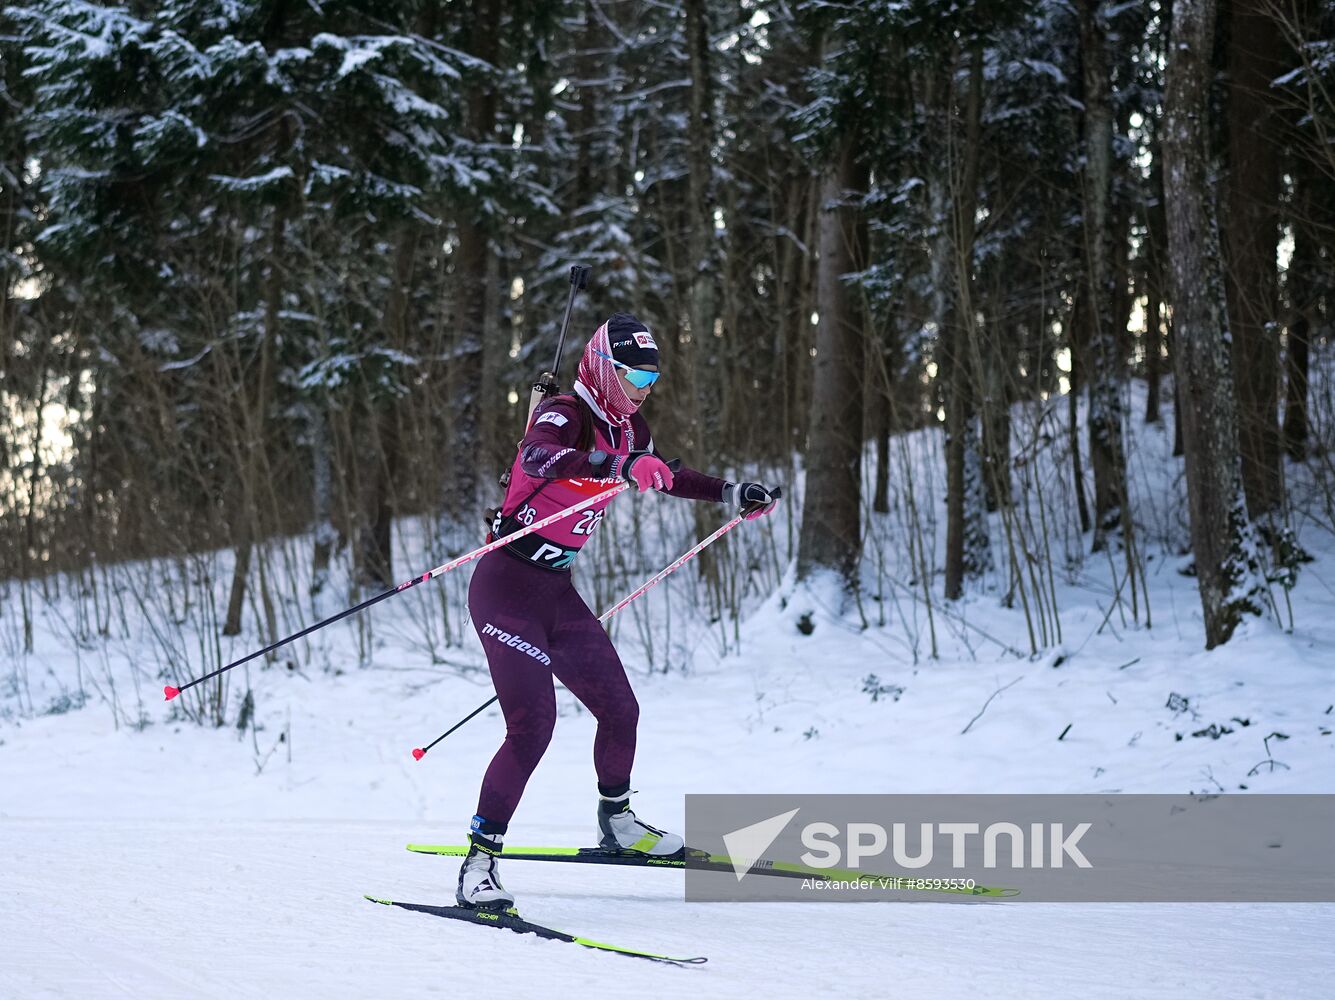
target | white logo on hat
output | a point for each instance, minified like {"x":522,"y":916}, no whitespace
{"x":646,"y":341}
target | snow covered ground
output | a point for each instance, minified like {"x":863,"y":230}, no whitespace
{"x":168,"y":860}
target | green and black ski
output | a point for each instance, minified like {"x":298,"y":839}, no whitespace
{"x":700,"y":860}
{"x":512,"y":921}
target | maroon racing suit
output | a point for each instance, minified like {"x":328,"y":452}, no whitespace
{"x":533,"y":624}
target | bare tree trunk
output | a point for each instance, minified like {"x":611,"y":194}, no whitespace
{"x":252,"y":427}
{"x":968,"y":552}
{"x":1153,"y":355}
{"x":460,"y":489}
{"x":881,"y":497}
{"x":1105,"y":407}
{"x":1302,"y":304}
{"x":1220,"y":531}
{"x":1296,"y":381}
{"x":1251,"y":232}
{"x":1077,"y":337}
{"x":807,"y":304}
{"x":702,"y":263}
{"x":236,"y":596}
{"x":493,"y":455}
{"x":942,"y":310}
{"x":831,"y":532}
{"x":1178,"y":450}
{"x":1155,"y":275}
{"x":380,"y":458}
{"x":1161,"y":338}
{"x":28,"y":547}
{"x":322,"y":496}
{"x":468,"y":368}
{"x":375,"y":552}
{"x":789,"y":263}
{"x":880,"y":384}
{"x":996,"y":419}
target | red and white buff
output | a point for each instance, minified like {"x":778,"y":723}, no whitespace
{"x":599,"y":376}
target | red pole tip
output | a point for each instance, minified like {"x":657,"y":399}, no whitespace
{"x":170,"y":692}
{"x":419,"y":753}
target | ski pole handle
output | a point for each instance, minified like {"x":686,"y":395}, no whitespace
{"x":171,"y":692}
{"x":751,"y":506}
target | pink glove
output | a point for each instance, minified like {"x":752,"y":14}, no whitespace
{"x":647,"y":472}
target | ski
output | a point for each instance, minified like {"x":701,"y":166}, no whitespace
{"x":512,"y":921}
{"x":699,"y":860}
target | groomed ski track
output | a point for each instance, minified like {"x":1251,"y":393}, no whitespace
{"x":179,"y":909}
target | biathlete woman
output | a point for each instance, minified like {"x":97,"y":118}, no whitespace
{"x":532,"y":623}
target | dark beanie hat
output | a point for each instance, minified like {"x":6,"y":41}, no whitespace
{"x":632,"y":343}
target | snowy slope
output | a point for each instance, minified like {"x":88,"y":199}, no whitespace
{"x":168,"y":860}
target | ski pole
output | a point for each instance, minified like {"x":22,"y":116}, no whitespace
{"x":649,"y":584}
{"x":172,"y":692}
{"x":671,"y":568}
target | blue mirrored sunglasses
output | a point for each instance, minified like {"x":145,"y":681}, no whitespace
{"x":636,"y":377}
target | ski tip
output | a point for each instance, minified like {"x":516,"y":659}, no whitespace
{"x":170,"y":692}
{"x":459,"y":849}
{"x":418,"y":753}
{"x":382,"y":902}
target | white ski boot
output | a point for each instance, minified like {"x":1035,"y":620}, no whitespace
{"x":622,"y":831}
{"x":479,"y":884}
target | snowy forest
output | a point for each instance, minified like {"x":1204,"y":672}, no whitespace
{"x":288,"y":267}
{"x":1026,"y":304}
{"x":284,"y":267}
